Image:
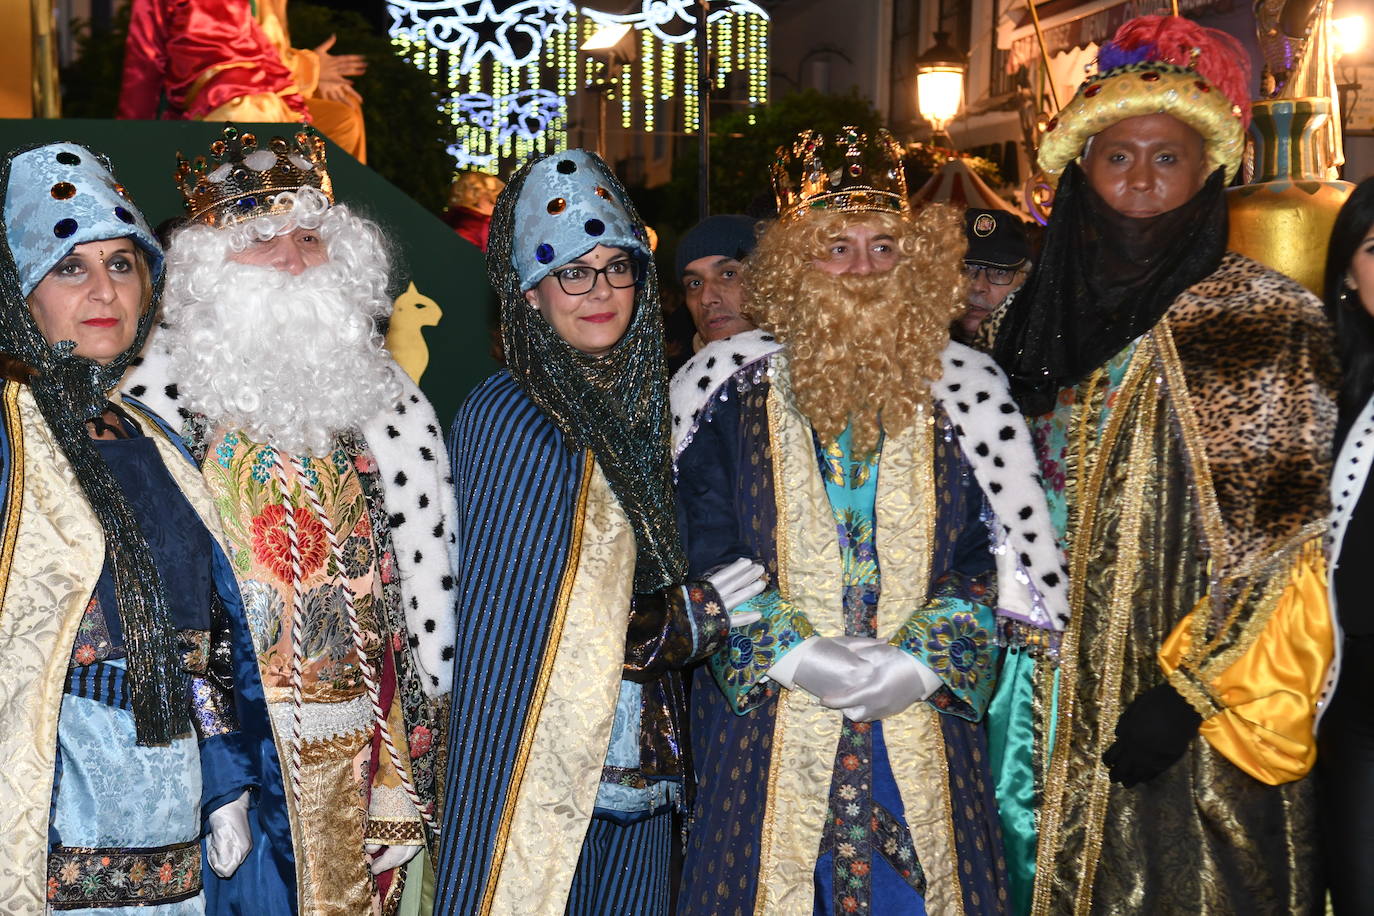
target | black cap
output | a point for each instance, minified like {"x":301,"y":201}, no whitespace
{"x":726,"y":235}
{"x":996,"y":238}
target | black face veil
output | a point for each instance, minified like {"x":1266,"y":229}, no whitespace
{"x":1101,"y":281}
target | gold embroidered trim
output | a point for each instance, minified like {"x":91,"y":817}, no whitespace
{"x":951,"y":899}
{"x":1128,"y":563}
{"x":541,"y":684}
{"x":1050,"y":816}
{"x":1083,"y":425}
{"x":391,"y":832}
{"x":770,"y":810}
{"x":804,"y":733}
{"x":337,"y":747}
{"x":778,"y":395}
{"x":14,"y":499}
{"x":925,"y":479}
{"x":1197,"y":695}
{"x":1205,"y":659}
{"x":396,"y":892}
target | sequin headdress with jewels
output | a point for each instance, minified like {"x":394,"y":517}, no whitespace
{"x":1159,"y":65}
{"x":851,"y":172}
{"x":242,"y":179}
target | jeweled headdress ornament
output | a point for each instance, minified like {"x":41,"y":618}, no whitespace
{"x":557,"y":208}
{"x":242,"y":179}
{"x":1159,"y":65}
{"x":851,"y":172}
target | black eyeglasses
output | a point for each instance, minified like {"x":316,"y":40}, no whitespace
{"x":997,"y":276}
{"x":578,"y":281}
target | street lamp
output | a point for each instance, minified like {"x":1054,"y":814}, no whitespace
{"x":605,"y":46}
{"x":1348,"y":35}
{"x":940,"y":85}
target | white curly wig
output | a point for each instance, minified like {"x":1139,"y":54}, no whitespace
{"x":294,"y":361}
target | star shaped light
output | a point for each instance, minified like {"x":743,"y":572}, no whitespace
{"x":512,"y":34}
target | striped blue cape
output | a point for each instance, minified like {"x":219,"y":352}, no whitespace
{"x":518,"y":486}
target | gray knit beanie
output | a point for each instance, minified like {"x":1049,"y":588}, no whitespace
{"x":726,"y":235}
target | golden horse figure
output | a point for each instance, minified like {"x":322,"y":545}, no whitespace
{"x":411,"y":312}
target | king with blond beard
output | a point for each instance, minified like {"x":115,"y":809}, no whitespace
{"x":331,"y":478}
{"x":884,"y":477}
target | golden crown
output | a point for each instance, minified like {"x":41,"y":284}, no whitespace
{"x":242,"y":180}
{"x":849,"y":172}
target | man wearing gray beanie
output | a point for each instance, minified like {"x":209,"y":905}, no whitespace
{"x":709,"y":263}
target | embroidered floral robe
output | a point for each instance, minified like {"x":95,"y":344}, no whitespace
{"x":350,"y":793}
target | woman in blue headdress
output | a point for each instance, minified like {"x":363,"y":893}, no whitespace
{"x":131,"y":715}
{"x":565,"y":752}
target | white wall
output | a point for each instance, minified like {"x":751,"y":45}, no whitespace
{"x":1359,"y":158}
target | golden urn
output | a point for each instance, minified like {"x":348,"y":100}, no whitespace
{"x":1283,"y":217}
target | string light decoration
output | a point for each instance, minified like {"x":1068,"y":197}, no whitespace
{"x":512,"y":67}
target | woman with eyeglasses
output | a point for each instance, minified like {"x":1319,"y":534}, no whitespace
{"x":565,"y":749}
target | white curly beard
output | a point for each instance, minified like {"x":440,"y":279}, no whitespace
{"x":294,"y":361}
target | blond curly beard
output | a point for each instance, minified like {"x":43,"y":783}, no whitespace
{"x":860,"y":346}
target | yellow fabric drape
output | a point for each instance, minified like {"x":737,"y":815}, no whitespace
{"x":1269,"y":696}
{"x":264,"y":107}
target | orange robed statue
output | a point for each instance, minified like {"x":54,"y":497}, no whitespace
{"x":232,"y":60}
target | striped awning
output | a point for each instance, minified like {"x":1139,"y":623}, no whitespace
{"x":955,"y":183}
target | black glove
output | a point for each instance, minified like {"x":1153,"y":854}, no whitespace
{"x":1151,"y":734}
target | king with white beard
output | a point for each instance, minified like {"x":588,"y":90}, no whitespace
{"x":332,"y":482}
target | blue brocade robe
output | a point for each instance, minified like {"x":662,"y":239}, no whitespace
{"x":54,"y":552}
{"x":822,"y":825}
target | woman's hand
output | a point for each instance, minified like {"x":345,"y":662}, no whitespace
{"x":230,"y":837}
{"x":385,"y":858}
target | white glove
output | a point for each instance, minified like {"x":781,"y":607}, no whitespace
{"x":385,"y":858}
{"x":230,"y":837}
{"x":736,"y":584}
{"x":822,"y":666}
{"x":899,"y":680}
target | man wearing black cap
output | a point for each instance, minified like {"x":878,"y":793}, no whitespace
{"x":708,"y":261}
{"x":996,"y":265}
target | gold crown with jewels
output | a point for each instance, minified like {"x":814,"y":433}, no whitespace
{"x":850,"y":172}
{"x":242,"y":179}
